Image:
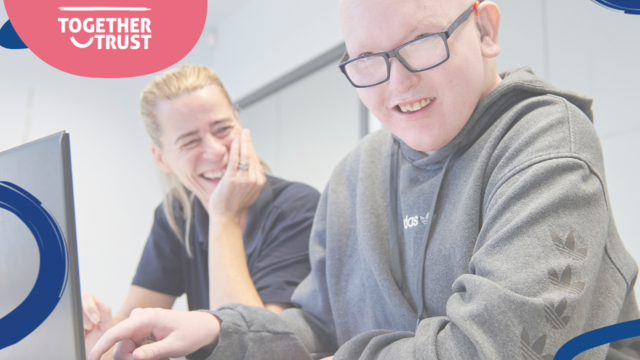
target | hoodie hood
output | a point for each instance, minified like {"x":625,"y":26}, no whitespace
{"x":516,"y":85}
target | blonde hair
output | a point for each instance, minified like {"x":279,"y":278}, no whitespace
{"x":168,"y":86}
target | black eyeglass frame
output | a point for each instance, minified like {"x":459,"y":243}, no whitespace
{"x":396,"y":52}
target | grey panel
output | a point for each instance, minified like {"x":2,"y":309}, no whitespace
{"x":319,"y":125}
{"x":262,"y":119}
{"x":331,"y":56}
{"x":42,"y":168}
{"x":305,"y":129}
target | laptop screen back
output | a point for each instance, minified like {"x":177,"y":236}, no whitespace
{"x":33,"y":267}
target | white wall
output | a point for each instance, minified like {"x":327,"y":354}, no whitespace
{"x":264,"y":40}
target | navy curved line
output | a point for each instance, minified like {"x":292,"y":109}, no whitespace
{"x":9,"y":38}
{"x":54,"y":265}
{"x":595,"y":338}
{"x":628,"y":6}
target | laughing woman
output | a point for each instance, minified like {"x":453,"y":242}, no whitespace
{"x":225,"y":232}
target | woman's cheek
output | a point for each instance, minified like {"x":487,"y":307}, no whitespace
{"x":235,"y":134}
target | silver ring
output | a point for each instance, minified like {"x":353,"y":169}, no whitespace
{"x":243,"y":166}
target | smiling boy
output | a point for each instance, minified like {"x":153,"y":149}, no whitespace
{"x":512,"y":249}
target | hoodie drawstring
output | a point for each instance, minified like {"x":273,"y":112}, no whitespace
{"x":394,"y":228}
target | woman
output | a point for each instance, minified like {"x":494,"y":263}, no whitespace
{"x":225,"y":233}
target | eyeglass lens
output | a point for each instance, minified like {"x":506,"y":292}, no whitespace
{"x":368,"y":70}
{"x":420,"y":54}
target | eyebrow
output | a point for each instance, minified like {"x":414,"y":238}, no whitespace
{"x":221,"y":121}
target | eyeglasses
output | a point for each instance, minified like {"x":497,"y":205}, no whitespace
{"x":421,"y":54}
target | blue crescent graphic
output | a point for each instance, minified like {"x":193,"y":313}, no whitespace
{"x":9,"y":39}
{"x":54,"y":265}
{"x":628,"y":6}
{"x":595,"y":338}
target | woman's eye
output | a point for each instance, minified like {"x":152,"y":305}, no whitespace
{"x":191,"y":143}
{"x":223,"y":131}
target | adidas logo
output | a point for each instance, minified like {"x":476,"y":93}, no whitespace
{"x":564,"y":282}
{"x":553,"y":313}
{"x":533,"y":352}
{"x":567,"y":248}
{"x":410,"y":222}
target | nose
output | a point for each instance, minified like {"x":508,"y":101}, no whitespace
{"x":213,"y":148}
{"x":401,"y":79}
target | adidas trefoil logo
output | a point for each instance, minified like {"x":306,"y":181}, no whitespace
{"x":410,"y":222}
{"x":533,"y":352}
{"x":567,"y":248}
{"x":424,"y":219}
{"x":553,"y":314}
{"x":564,"y":282}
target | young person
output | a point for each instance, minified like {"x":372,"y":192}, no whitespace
{"x":226,"y":232}
{"x":476,"y":226}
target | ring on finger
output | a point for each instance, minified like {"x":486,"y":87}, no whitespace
{"x":243,"y":166}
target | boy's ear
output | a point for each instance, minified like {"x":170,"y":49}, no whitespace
{"x":489,"y":25}
{"x":158,"y":157}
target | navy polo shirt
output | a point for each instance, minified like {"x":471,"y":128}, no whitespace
{"x":276,"y":242}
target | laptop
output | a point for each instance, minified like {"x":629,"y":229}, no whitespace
{"x":40,"y":306}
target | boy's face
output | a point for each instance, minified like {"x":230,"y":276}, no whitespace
{"x":454,"y":88}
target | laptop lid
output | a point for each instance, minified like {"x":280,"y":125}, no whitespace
{"x":40,"y":307}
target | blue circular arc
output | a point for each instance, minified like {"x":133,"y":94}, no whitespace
{"x":598,"y":337}
{"x":628,"y":6}
{"x":54,"y":265}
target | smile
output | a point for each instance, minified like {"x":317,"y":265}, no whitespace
{"x":213,"y":175}
{"x":409,"y":108}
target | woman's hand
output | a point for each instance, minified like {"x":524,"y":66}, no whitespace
{"x":96,"y":318}
{"x":177,"y":333}
{"x":239,"y":186}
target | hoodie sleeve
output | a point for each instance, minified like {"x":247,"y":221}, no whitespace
{"x":301,"y":333}
{"x":522,"y":298}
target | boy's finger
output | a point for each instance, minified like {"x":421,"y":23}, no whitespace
{"x":128,"y":329}
{"x":124,"y":350}
{"x":158,"y":350}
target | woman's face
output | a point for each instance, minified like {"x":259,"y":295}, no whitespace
{"x":197,"y":131}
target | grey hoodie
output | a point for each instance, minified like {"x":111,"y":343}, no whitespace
{"x":502,"y":244}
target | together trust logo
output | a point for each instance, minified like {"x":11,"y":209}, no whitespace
{"x":126,"y":38}
{"x":130,"y":31}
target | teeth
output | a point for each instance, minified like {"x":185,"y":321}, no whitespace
{"x":213,"y":176}
{"x":416,"y":106}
